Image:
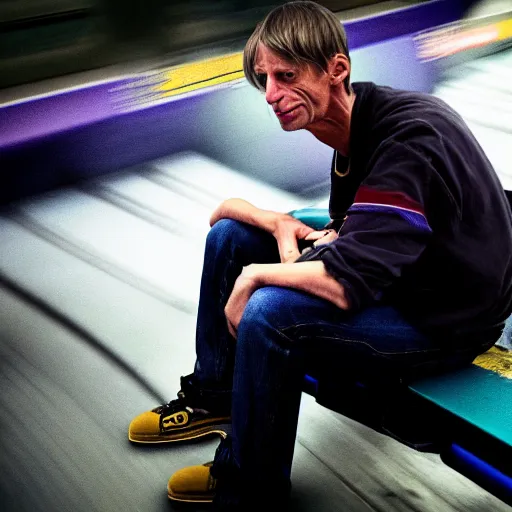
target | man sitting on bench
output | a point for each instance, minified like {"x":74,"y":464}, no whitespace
{"x":413,"y":274}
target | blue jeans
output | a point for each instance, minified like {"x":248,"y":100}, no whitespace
{"x":283,"y":335}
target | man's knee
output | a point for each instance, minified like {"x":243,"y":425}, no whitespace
{"x":266,"y":307}
{"x":222,"y":235}
{"x":223,"y":230}
{"x":227,"y":230}
{"x":265,"y":316}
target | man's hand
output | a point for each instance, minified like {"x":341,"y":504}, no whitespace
{"x":245,"y":286}
{"x":287,"y":230}
{"x":322,"y":237}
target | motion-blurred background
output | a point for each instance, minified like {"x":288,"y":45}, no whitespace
{"x":46,"y":38}
{"x":114,"y":150}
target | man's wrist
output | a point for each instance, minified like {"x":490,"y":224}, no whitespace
{"x":268,"y":220}
{"x":255,"y":274}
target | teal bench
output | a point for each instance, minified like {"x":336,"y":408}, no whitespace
{"x":464,"y":415}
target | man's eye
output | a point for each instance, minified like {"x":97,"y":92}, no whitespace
{"x":262,"y":80}
{"x":289,"y":75}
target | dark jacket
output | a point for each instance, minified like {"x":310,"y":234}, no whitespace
{"x":428,"y":226}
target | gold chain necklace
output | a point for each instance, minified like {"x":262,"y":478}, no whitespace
{"x":338,"y":173}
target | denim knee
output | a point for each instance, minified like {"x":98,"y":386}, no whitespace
{"x":234,"y":232}
{"x":222,"y":231}
{"x":265,"y":308}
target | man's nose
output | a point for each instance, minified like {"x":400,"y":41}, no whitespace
{"x":273,"y":92}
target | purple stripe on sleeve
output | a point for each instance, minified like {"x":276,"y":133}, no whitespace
{"x":414,"y":218}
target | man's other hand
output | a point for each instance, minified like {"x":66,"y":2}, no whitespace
{"x":322,"y":237}
{"x":245,"y":285}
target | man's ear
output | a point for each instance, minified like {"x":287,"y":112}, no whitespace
{"x":339,"y":68}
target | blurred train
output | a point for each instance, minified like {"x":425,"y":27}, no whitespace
{"x":46,"y":38}
{"x":165,"y":46}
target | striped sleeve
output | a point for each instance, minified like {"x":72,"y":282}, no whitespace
{"x":374,"y":201}
{"x":386,"y":229}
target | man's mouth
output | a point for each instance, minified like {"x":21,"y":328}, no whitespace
{"x":281,"y":113}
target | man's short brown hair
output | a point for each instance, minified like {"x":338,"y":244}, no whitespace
{"x":300,"y":32}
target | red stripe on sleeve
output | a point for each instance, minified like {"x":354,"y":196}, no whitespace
{"x":366,"y":195}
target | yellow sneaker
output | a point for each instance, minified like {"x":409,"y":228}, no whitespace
{"x":185,"y":418}
{"x":194,"y":484}
{"x":176,"y":421}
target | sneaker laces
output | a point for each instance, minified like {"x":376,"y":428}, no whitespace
{"x":178,"y":404}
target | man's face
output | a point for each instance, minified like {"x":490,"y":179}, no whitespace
{"x":299,"y":95}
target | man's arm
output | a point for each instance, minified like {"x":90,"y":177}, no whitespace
{"x":285,"y":229}
{"x":307,"y":276}
{"x":243,"y":211}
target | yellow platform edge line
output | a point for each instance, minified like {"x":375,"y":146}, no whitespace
{"x":200,"y":74}
{"x":504,"y":29}
{"x":206,"y":83}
